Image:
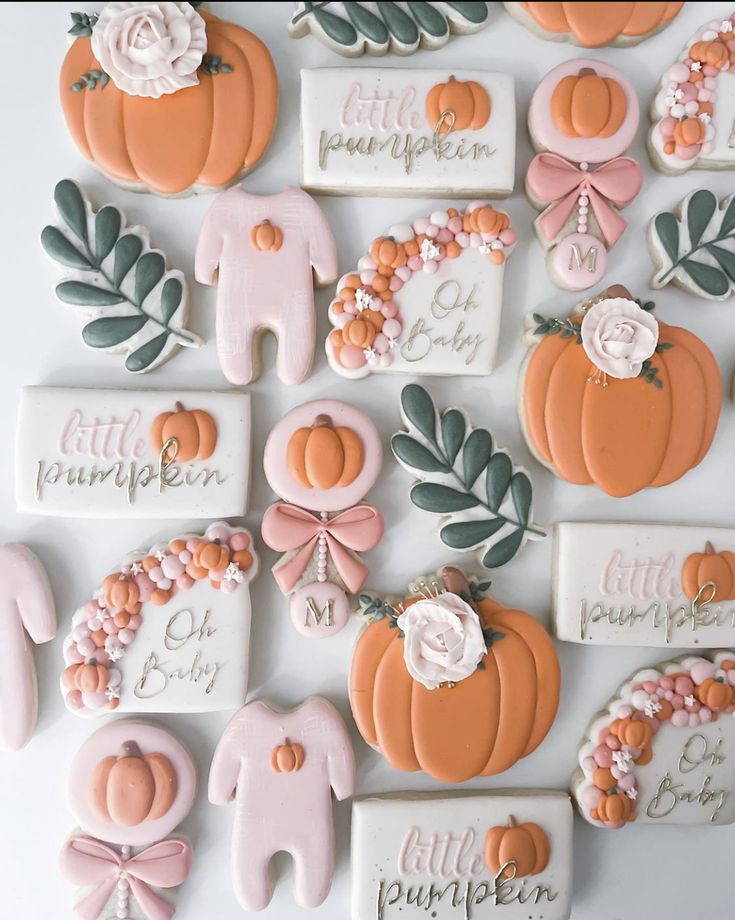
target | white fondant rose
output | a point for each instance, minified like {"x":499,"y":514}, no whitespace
{"x":618,"y":336}
{"x":150,"y":49}
{"x":443,"y":640}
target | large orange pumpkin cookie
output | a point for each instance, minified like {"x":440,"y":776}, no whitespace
{"x":611,"y":396}
{"x":163,"y":98}
{"x":450,"y":682}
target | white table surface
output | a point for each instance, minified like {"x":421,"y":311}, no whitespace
{"x":638,"y":873}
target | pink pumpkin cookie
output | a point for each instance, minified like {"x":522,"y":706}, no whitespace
{"x":322,"y":458}
{"x":26,"y":610}
{"x":583,"y":116}
{"x":130,"y":785}
{"x":282,"y":768}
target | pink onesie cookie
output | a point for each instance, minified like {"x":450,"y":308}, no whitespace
{"x":282,"y":768}
{"x":130,"y":785}
{"x":26,"y":610}
{"x":322,"y":458}
{"x":263,"y":252}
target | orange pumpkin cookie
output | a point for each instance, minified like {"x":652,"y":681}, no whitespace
{"x":165,"y":98}
{"x":611,"y":396}
{"x":485,"y":696}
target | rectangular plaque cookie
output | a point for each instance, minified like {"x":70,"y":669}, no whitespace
{"x":658,"y":585}
{"x":390,"y":131}
{"x":132,"y":453}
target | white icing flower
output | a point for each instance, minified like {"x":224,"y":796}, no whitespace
{"x":618,"y":336}
{"x":136,"y":569}
{"x":689,"y":700}
{"x":726,"y":25}
{"x":160,"y":555}
{"x":362,"y":299}
{"x":622,"y":759}
{"x":652,"y":707}
{"x":370,"y":354}
{"x":112,"y":693}
{"x":695,"y":66}
{"x":443,"y":640}
{"x":114,"y":654}
{"x":392,"y":343}
{"x":632,"y":793}
{"x":150,"y":49}
{"x":428,"y":250}
{"x":233,"y":572}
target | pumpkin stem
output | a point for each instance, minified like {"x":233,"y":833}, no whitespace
{"x":587,"y":72}
{"x":322,"y":421}
{"x":618,"y":290}
{"x":131,"y":749}
{"x":512,"y":821}
{"x":455,"y":580}
{"x":709,"y":548}
{"x":178,"y":407}
{"x":451,"y":79}
{"x":265,"y":222}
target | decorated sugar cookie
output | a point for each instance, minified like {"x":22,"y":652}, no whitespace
{"x":322,"y":458}
{"x":132,"y":453}
{"x":390,"y":131}
{"x":448,"y":681}
{"x":167,"y":630}
{"x":264,"y":253}
{"x":612,"y":396}
{"x":166,"y":98}
{"x":659,"y":585}
{"x":282,"y":767}
{"x":485,"y":502}
{"x":663,"y":750}
{"x":692,"y":247}
{"x":135,"y":305}
{"x":594,"y":24}
{"x":130,"y":785}
{"x":512,"y":850}
{"x":692,"y":111}
{"x":353,"y":29}
{"x":27,"y":612}
{"x":582,"y":117}
{"x":427,"y":298}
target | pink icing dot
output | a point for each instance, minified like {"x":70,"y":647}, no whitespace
{"x":172,"y":566}
{"x":415,"y":263}
{"x":389,"y":309}
{"x":80,"y":632}
{"x":367,"y":277}
{"x":508,"y":237}
{"x":679,"y":73}
{"x":156,"y":574}
{"x":145,"y":586}
{"x":708,"y":148}
{"x":444,"y":236}
{"x":227,"y":587}
{"x":94,"y":700}
{"x":710,"y":83}
{"x":616,"y":772}
{"x":114,"y":677}
{"x":340,"y":320}
{"x":193,"y":542}
{"x":603,"y":756}
{"x":126,"y":636}
{"x":239,"y":541}
{"x":381,"y":342}
{"x":395,"y":284}
{"x":455,"y":225}
{"x":184,"y":581}
{"x":420,"y":225}
{"x":625,"y":711}
{"x":463,"y":240}
{"x":709,"y":71}
{"x":680,"y":718}
{"x":475,"y":240}
{"x":666,"y":682}
{"x":351,"y":357}
{"x":591,"y":796}
{"x":612,"y":742}
{"x":704,"y":95}
{"x":185,"y":556}
{"x":589,"y":764}
{"x":626,"y":782}
{"x":86,"y":647}
{"x":432,"y":231}
{"x":702,"y":671}
{"x":109,"y":626}
{"x":689,"y":91}
{"x":604,"y":732}
{"x":392,"y":328}
{"x":386,"y":360}
{"x":113,"y":642}
{"x":667,"y":127}
{"x":693,"y":719}
{"x":91,"y":609}
{"x":430,"y":267}
{"x":404,"y":273}
{"x":74,"y":699}
{"x":705,"y":714}
{"x":365,"y":263}
{"x":73,"y":655}
{"x":135,"y":621}
{"x":650,"y":685}
{"x":669,"y":695}
{"x":218,"y":532}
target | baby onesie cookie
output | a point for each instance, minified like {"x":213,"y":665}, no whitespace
{"x":281,"y":768}
{"x":135,"y":305}
{"x":448,"y":681}
{"x":249,"y":246}
{"x":583,"y":115}
{"x":389,"y":131}
{"x":691,"y":246}
{"x":322,"y":458}
{"x":594,"y":24}
{"x":27,"y":611}
{"x":426,"y":299}
{"x":659,"y":585}
{"x":693,"y":110}
{"x":613,"y":397}
{"x":509,"y":849}
{"x":132,"y":453}
{"x":485,"y":501}
{"x":663,"y":750}
{"x":165,"y":98}
{"x":354,"y":29}
{"x":167,"y":630}
{"x":130,"y":785}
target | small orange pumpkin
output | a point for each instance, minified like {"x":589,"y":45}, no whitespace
{"x":266,"y":237}
{"x":133,"y":788}
{"x":714,"y":53}
{"x":709,"y":566}
{"x":689,"y":131}
{"x":524,"y":845}
{"x":632,"y":732}
{"x":613,"y":808}
{"x":387,"y":253}
{"x":212,"y":556}
{"x":194,"y":431}
{"x":595,"y":24}
{"x":588,"y":105}
{"x":88,"y":677}
{"x":322,"y":457}
{"x":287,"y":757}
{"x":715,"y":694}
{"x":359,"y":332}
{"x":485,"y":220}
{"x":121,"y":592}
{"x":460,"y":104}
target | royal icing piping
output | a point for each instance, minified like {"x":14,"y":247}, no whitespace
{"x":125,"y":653}
{"x":281,"y":768}
{"x":662,"y":752}
{"x":249,"y":261}
{"x":426,"y":300}
{"x":27,"y":610}
{"x":475,"y":708}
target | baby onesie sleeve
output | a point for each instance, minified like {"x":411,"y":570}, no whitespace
{"x":340,"y":758}
{"x":322,"y":247}
{"x":224,"y":774}
{"x":210,"y":243}
{"x":28,"y":587}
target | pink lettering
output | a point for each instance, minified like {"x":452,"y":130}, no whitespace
{"x":644,"y":581}
{"x":381,"y":113}
{"x":101,"y":440}
{"x":443,"y":856}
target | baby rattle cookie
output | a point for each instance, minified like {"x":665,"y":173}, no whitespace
{"x":165,"y":98}
{"x":448,"y":681}
{"x":611,"y":396}
{"x":248,"y":246}
{"x":27,"y":611}
{"x":322,"y":458}
{"x":167,"y":631}
{"x":130,"y":785}
{"x":281,"y":768}
{"x":662,"y":751}
{"x":583,"y":115}
{"x":511,"y":848}
{"x":485,"y":502}
{"x":594,"y":24}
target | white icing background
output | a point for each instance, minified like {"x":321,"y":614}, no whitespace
{"x":637,"y":873}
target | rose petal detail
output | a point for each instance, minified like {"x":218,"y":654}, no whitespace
{"x":618,"y":336}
